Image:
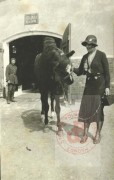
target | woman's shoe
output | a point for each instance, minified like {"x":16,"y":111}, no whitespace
{"x":97,"y":139}
{"x":84,"y":139}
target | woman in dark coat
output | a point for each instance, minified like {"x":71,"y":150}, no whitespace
{"x":95,"y":66}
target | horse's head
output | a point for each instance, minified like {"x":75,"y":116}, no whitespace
{"x":64,"y":69}
{"x":58,"y":61}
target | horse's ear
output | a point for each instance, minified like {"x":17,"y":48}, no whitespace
{"x":70,"y":53}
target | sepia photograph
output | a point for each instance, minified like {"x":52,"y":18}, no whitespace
{"x":57,"y":90}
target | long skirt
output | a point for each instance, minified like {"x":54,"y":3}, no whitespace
{"x":91,"y":108}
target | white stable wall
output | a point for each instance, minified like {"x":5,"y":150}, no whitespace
{"x":86,"y":17}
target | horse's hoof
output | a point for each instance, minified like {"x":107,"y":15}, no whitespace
{"x":60,"y":132}
{"x":52,"y":114}
{"x":59,"y":125}
{"x":46,"y":129}
{"x":66,"y":103}
{"x":42,"y":118}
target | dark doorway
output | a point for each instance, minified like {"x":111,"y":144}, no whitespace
{"x":25,"y":50}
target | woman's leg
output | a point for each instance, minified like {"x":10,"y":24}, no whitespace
{"x":85,"y":136}
{"x":99,"y":127}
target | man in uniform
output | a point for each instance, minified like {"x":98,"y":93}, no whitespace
{"x":11,"y":79}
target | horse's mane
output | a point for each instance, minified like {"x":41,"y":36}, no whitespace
{"x":50,"y":51}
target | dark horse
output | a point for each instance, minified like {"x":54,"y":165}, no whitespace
{"x":52,"y":70}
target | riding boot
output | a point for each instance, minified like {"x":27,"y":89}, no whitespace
{"x":8,"y":97}
{"x":85,"y":136}
{"x":12,"y":96}
{"x":8,"y":101}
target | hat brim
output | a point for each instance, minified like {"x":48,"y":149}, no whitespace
{"x":84,"y":43}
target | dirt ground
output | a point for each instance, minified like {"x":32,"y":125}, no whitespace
{"x":27,"y":153}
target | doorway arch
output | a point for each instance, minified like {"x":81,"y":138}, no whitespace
{"x":7,"y":41}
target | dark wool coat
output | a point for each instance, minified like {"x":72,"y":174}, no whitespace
{"x":91,"y":108}
{"x":11,"y":71}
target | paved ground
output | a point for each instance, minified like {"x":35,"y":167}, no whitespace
{"x":27,"y":153}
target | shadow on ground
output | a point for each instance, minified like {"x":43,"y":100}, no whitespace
{"x":32,"y":121}
{"x":73,"y":130}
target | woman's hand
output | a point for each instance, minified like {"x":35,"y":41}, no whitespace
{"x":68,"y":68}
{"x":107,"y":91}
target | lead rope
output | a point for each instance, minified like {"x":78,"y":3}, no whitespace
{"x":89,"y":116}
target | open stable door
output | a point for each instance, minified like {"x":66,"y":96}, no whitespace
{"x":66,"y":47}
{"x":66,"y":40}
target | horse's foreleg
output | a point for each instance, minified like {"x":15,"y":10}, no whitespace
{"x":42,"y":108}
{"x":42,"y":111}
{"x":57,"y":110}
{"x":52,"y":97}
{"x":45,"y":105}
